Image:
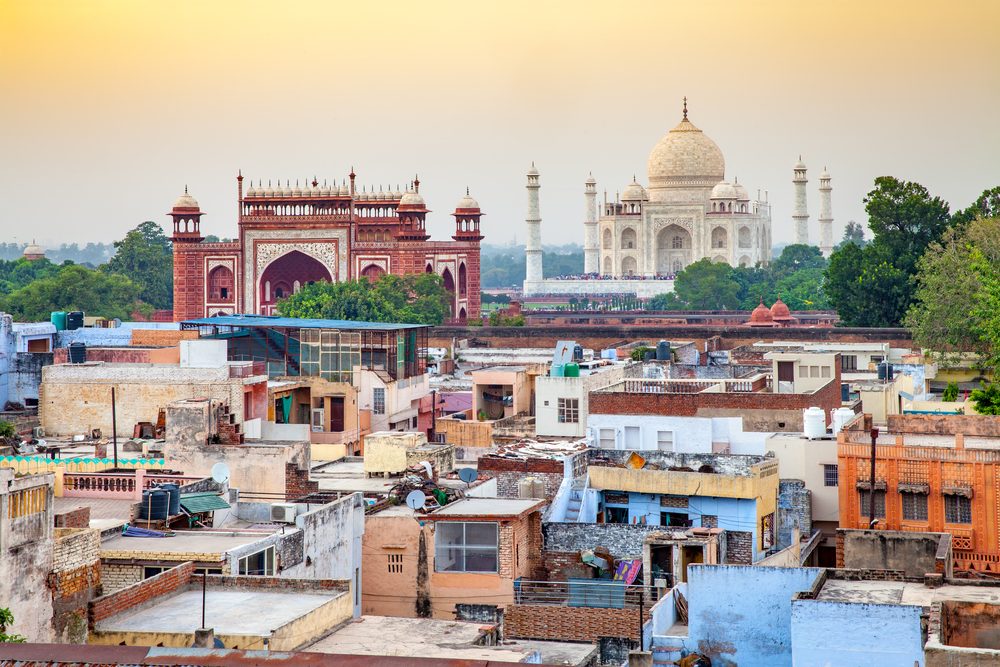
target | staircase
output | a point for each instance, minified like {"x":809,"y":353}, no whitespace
{"x":228,"y":430}
{"x":575,"y":501}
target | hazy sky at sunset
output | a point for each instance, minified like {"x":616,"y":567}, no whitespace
{"x":110,"y":108}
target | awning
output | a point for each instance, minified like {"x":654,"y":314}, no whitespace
{"x":196,"y":503}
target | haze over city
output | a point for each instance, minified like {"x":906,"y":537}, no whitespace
{"x":113,"y":107}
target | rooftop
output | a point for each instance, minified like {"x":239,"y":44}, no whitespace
{"x":432,"y":638}
{"x":182,"y":542}
{"x":905,"y":592}
{"x":273,"y":322}
{"x":229,"y":612}
{"x":499,"y":507}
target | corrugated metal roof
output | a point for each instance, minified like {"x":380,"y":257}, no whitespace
{"x":273,"y":322}
{"x":203,"y":502}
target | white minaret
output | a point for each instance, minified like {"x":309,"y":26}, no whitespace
{"x":800,"y":214}
{"x":533,"y":249}
{"x":825,"y":214}
{"x":591,"y":263}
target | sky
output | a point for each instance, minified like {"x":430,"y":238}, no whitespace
{"x":110,"y":108}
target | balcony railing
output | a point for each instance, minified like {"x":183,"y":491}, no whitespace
{"x":684,"y":386}
{"x":116,"y":485}
{"x":245,"y":369}
{"x":601,"y":593}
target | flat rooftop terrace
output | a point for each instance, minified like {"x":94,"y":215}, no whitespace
{"x":229,"y":612}
{"x":488,"y":507}
{"x":905,"y":592}
{"x":431,"y":638}
{"x":207,"y":542}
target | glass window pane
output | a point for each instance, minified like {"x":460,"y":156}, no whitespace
{"x":481,"y":560}
{"x":449,"y":533}
{"x":481,"y":534}
{"x":449,"y":559}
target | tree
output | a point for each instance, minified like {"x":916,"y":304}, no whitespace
{"x":7,"y":618}
{"x":853,"y":233}
{"x":873,"y":286}
{"x":74,"y":287}
{"x":986,"y":206}
{"x":950,"y":283}
{"x":986,"y":400}
{"x":796,"y":257}
{"x":413,"y":299}
{"x":707,"y":285}
{"x":145,"y":257}
{"x":950,"y":393}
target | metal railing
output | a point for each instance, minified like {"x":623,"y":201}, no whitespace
{"x":686,"y":386}
{"x":599,"y":593}
{"x":247,"y":369}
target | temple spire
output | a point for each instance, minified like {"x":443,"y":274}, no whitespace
{"x":685,"y":108}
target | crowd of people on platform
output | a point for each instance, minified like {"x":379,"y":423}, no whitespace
{"x":599,"y":276}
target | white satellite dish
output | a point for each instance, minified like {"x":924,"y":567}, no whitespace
{"x":416,"y":500}
{"x":220,"y":472}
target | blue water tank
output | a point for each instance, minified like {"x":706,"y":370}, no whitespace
{"x":174,"y":505}
{"x":663,"y":351}
{"x":578,"y":353}
{"x":845,"y":392}
{"x":58,"y":319}
{"x":154,"y":505}
{"x":556,"y":371}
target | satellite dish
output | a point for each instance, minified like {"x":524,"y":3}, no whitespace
{"x":220,"y":472}
{"x":416,"y":500}
{"x":468,"y":475}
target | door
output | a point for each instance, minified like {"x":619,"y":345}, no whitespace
{"x":336,"y":413}
{"x":632,"y":437}
{"x":786,"y":371}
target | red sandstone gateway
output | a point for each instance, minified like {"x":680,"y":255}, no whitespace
{"x":298,"y":234}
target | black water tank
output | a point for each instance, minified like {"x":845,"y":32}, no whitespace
{"x":578,"y":353}
{"x":77,"y":352}
{"x":174,"y":491}
{"x":154,"y":505}
{"x":663,"y":351}
{"x":649,"y":355}
{"x":74,"y":320}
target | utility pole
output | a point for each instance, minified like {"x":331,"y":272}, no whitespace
{"x":433,"y":435}
{"x":871,"y":489}
{"x":114,"y":428}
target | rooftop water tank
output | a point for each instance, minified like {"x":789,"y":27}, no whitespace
{"x":571,"y":370}
{"x":58,"y":319}
{"x":885,"y":371}
{"x":174,"y":491}
{"x":154,"y":505}
{"x":556,"y":371}
{"x":74,"y":320}
{"x":578,"y":353}
{"x":814,"y":423}
{"x":840,"y":417}
{"x":663,"y":351}
{"x":77,"y":352}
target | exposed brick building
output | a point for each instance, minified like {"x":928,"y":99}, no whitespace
{"x":292,"y":236}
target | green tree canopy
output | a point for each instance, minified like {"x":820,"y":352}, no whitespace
{"x":74,"y":287}
{"x":702,"y":285}
{"x":854,"y":233}
{"x":413,"y":299}
{"x":796,"y":257}
{"x":986,"y":206}
{"x":145,"y":257}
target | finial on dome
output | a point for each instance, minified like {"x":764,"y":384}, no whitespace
{"x":466,"y":190}
{"x":633,"y":178}
{"x":685,"y":107}
{"x":239,"y":174}
{"x":185,"y":188}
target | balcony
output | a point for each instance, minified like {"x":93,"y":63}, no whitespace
{"x":756,"y":383}
{"x":246,"y":369}
{"x":116,"y":485}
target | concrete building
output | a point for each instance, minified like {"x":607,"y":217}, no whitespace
{"x":933,"y":473}
{"x":76,"y":398}
{"x":645,"y":236}
{"x":562,"y":404}
{"x":24,"y":350}
{"x":687,"y":435}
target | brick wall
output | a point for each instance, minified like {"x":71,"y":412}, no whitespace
{"x":971,"y":425}
{"x":794,"y":510}
{"x":75,"y":518}
{"x":161,"y":337}
{"x":579,"y":624}
{"x":167,"y":582}
{"x":739,"y":547}
{"x":115,"y":576}
{"x":75,"y":547}
{"x":297,"y":482}
{"x":623,"y":540}
{"x":565,"y":565}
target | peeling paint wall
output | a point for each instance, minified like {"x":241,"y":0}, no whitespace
{"x":828,"y":634}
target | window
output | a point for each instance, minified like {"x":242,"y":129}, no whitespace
{"x":615,"y":515}
{"x":848,"y":362}
{"x":665,"y":441}
{"x":830,"y":474}
{"x":152,"y":570}
{"x":260,"y":563}
{"x":207,"y":570}
{"x":674,"y":519}
{"x":466,"y":546}
{"x":378,"y":400}
{"x":879,"y":504}
{"x":677,"y":242}
{"x":824,"y":371}
{"x":569,"y":410}
{"x":606,"y":438}
{"x":914,"y":506}
{"x":803,"y":371}
{"x":878,"y":358}
{"x":957,"y":509}
{"x":395,"y":563}
{"x":814,"y":371}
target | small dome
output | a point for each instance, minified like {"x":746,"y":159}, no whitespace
{"x":297,"y":192}
{"x":634,"y":192}
{"x":825,"y":175}
{"x":186,"y":201}
{"x":761,"y":316}
{"x":724,"y":190}
{"x":532,"y":171}
{"x":780,"y":312}
{"x":591,"y":180}
{"x":800,"y":164}
{"x":411,"y":199}
{"x":325,"y":190}
{"x":466,"y":202}
{"x":269,"y":191}
{"x":33,"y":251}
{"x":251,"y":191}
{"x":741,"y":192}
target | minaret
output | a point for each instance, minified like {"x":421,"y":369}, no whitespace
{"x":800,"y":214}
{"x":533,"y":249}
{"x":825,"y":214}
{"x":591,"y":263}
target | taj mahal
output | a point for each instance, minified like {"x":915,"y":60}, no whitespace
{"x":688,"y":212}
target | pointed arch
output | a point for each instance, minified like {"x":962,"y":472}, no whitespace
{"x":463,"y":280}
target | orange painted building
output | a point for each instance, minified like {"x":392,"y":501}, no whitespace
{"x":936,"y":473}
{"x":469,"y":551}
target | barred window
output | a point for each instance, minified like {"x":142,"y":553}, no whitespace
{"x":395,"y":563}
{"x":830,"y":474}
{"x":378,"y":400}
{"x":914,"y":506}
{"x":957,"y":509}
{"x":879,"y":504}
{"x":848,"y":362}
{"x":569,"y":410}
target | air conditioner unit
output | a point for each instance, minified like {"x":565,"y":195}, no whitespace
{"x":38,"y":432}
{"x":283,"y":512}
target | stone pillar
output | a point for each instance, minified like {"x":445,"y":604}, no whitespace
{"x":591,"y":259}
{"x":533,"y":249}
{"x":800,"y":213}
{"x":825,"y":214}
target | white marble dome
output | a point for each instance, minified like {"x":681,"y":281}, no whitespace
{"x":685,"y":157}
{"x":186,"y":201}
{"x":741,"y":192}
{"x":466,"y":202}
{"x":724,"y":190}
{"x":634,"y":192}
{"x":411,"y":199}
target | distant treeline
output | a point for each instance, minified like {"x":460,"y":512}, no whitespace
{"x":92,"y":254}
